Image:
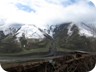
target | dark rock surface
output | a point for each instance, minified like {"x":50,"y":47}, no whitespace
{"x":74,"y":63}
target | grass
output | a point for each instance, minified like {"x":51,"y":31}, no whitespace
{"x":38,"y":50}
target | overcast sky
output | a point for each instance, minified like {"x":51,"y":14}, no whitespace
{"x":41,"y":12}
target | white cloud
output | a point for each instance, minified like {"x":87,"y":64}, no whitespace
{"x":94,"y":1}
{"x":47,"y":12}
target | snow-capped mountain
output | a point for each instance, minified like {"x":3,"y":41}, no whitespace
{"x":10,"y":28}
{"x":70,"y":26}
{"x":32,"y":31}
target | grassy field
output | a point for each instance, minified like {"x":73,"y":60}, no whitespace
{"x":27,"y":51}
{"x":37,"y":50}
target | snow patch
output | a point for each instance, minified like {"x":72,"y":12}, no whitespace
{"x":69,"y":29}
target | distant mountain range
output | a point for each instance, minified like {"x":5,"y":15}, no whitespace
{"x":31,"y":31}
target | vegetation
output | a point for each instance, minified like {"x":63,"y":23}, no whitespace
{"x":61,"y":40}
{"x":9,"y":44}
{"x":75,"y":41}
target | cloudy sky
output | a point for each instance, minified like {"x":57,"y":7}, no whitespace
{"x":41,"y":12}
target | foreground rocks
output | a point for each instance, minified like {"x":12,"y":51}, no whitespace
{"x":72,"y":63}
